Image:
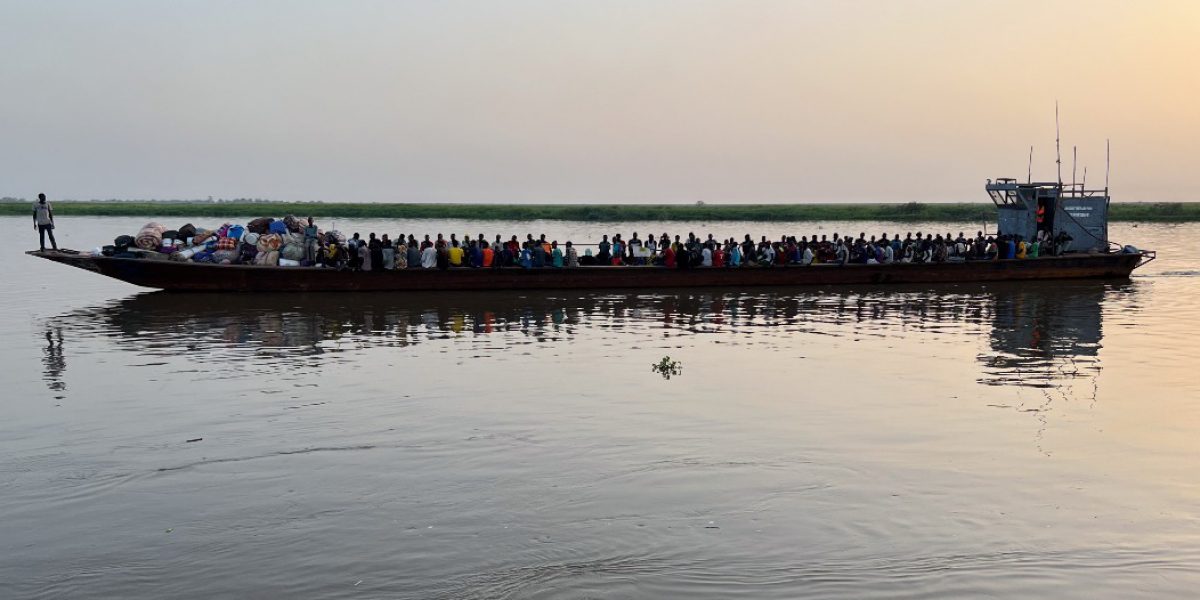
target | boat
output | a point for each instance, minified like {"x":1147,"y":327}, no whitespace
{"x":1025,"y":209}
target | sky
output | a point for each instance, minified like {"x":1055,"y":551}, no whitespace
{"x":608,"y":101}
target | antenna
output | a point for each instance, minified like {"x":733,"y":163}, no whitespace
{"x":1029,"y":175}
{"x":1107,"y":162}
{"x":1084,"y":186}
{"x":1057,"y":146}
{"x":1074,"y":163}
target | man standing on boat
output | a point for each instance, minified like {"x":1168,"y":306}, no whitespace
{"x":43,"y":222}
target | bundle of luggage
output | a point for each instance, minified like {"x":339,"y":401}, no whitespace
{"x":263,"y":241}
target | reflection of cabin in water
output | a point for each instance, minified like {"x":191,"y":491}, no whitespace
{"x":1041,"y":338}
{"x":1029,"y":208}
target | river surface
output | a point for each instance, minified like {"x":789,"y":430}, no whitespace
{"x":1002,"y":441}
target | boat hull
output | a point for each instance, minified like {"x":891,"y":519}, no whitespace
{"x":200,"y":277}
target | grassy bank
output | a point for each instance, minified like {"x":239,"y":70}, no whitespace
{"x":913,"y":211}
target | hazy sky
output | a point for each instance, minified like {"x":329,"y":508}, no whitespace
{"x":598,"y":101}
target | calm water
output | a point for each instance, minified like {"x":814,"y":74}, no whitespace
{"x":1032,"y":440}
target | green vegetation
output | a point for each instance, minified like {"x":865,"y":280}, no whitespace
{"x":621,"y":213}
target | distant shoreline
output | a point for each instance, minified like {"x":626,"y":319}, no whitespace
{"x":628,"y":213}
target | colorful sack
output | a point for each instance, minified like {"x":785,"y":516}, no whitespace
{"x":227,"y":243}
{"x":203,"y":235}
{"x":236,"y":232}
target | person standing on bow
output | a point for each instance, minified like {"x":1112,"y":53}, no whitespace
{"x":43,"y":222}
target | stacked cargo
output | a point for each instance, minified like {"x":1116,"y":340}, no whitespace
{"x":264,"y":241}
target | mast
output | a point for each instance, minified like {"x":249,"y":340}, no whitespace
{"x":1057,"y":147}
{"x":1029,"y":173}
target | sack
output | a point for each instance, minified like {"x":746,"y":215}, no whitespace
{"x":278,"y":227}
{"x":269,"y":242}
{"x":338,"y":236}
{"x":186,"y":231}
{"x":170,"y":235}
{"x":123,"y":241}
{"x":285,"y":262}
{"x":292,"y":252}
{"x":251,"y":239}
{"x":227,"y":243}
{"x":150,"y":237}
{"x":267,"y":259}
{"x":202,"y":235}
{"x":260,"y":225}
{"x":293,"y":224}
{"x":224,"y":256}
{"x":236,"y":232}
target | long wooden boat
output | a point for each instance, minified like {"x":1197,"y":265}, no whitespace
{"x":201,"y":277}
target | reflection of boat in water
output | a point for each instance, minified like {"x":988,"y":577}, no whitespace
{"x":1034,"y":329}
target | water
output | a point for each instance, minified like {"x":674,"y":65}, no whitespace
{"x":1017,"y":440}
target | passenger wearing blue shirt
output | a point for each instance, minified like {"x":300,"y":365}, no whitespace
{"x":1010,"y":248}
{"x":526,"y":258}
{"x":476,"y":255}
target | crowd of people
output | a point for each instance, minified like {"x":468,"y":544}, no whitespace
{"x":381,"y":253}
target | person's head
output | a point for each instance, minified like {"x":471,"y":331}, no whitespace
{"x":372,"y":235}
{"x":42,"y":198}
{"x":356,"y":235}
{"x":554,"y":244}
{"x":568,"y":243}
{"x":310,"y":221}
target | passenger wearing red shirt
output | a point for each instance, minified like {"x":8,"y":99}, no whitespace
{"x":488,"y":255}
{"x":669,"y":257}
{"x":718,"y":256}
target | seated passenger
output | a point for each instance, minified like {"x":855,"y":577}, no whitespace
{"x":572,"y":256}
{"x":556,"y":255}
{"x":429,"y":257}
{"x":454,"y":254}
{"x":487,"y":255}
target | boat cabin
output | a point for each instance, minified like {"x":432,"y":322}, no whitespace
{"x":1025,"y":209}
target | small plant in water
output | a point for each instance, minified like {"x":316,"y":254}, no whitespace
{"x":667,"y":367}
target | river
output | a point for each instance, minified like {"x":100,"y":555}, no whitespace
{"x":1011,"y":441}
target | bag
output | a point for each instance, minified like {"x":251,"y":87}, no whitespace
{"x":260,"y":225}
{"x":224,"y":257}
{"x":123,"y":241}
{"x":251,"y":239}
{"x":227,"y":243}
{"x":186,"y":231}
{"x":286,"y":262}
{"x":278,"y":227}
{"x":236,"y":232}
{"x":269,"y":242}
{"x":293,"y":224}
{"x":150,"y":237}
{"x":292,"y":251}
